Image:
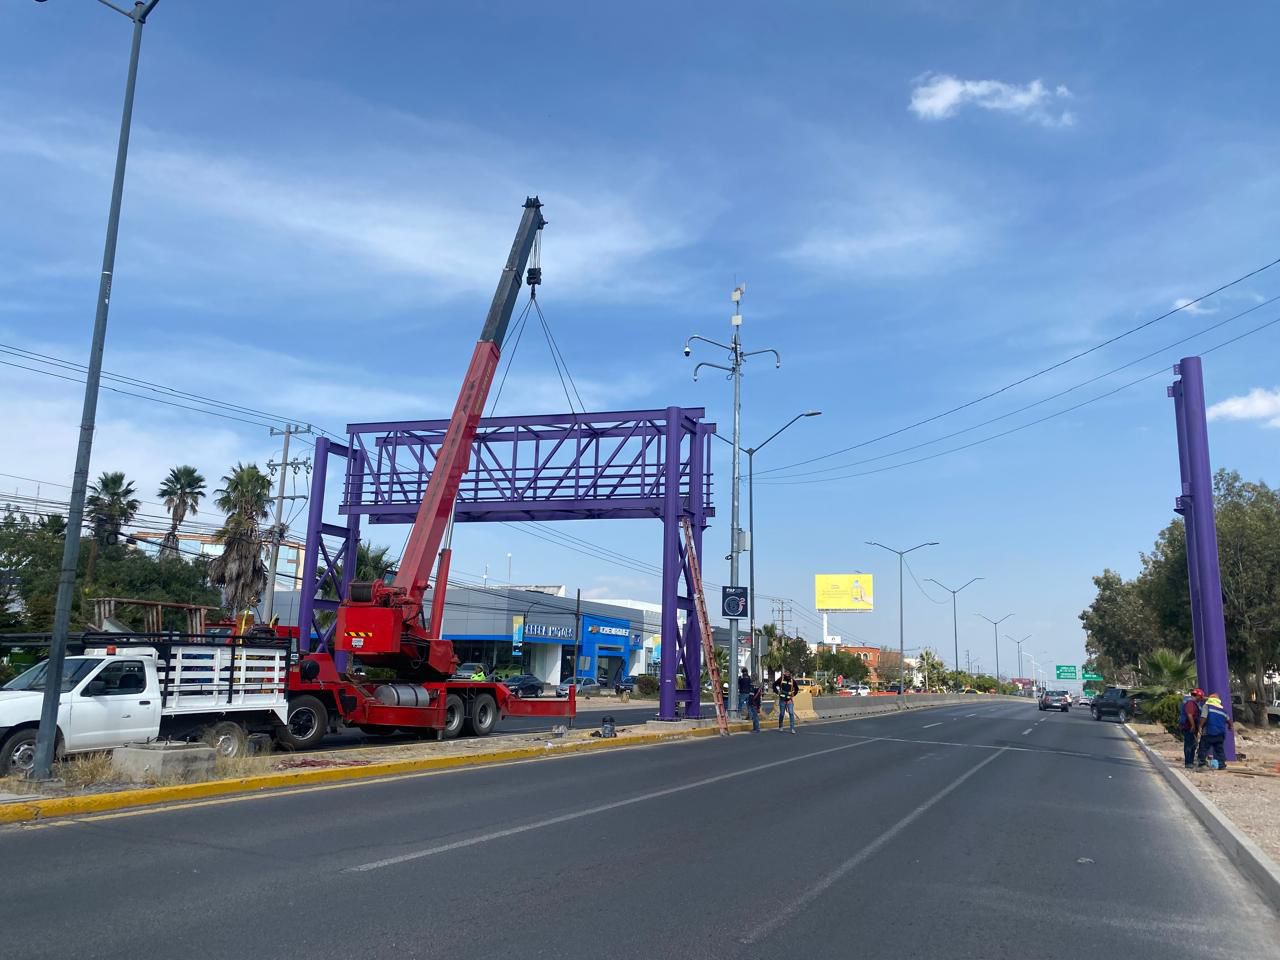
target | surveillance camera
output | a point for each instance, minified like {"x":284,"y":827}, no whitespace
{"x":687,"y":351}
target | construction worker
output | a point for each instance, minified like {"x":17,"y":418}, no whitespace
{"x":1189,"y":724}
{"x":786,"y":688}
{"x":479,"y":674}
{"x":744,"y":689}
{"x":1214,"y":724}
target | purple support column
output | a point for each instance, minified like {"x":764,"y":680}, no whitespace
{"x":671,"y":571}
{"x":1189,"y":527}
{"x":310,"y":555}
{"x":693,"y":635}
{"x":1216,"y":678}
{"x":355,"y":479}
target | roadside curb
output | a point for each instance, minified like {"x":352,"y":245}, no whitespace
{"x":46,"y":808}
{"x":1250,"y":859}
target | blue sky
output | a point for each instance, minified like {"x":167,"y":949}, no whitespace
{"x":926,"y":201}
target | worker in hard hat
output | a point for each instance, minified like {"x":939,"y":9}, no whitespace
{"x":1189,"y":724}
{"x":479,"y":674}
{"x":1214,"y":724}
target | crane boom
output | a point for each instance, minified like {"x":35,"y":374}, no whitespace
{"x":382,"y":622}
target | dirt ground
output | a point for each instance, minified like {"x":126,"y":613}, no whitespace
{"x":1248,"y":792}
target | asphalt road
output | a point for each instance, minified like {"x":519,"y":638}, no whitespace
{"x":987,"y":830}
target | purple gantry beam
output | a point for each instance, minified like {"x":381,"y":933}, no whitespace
{"x":613,"y":465}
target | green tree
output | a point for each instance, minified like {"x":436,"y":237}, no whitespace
{"x":240,"y":570}
{"x":181,"y":491}
{"x":1166,"y":671}
{"x":837,"y":663}
{"x":933,"y":669}
{"x":110,"y":505}
{"x":890,"y":667}
{"x":771,"y":658}
{"x":722,"y":662}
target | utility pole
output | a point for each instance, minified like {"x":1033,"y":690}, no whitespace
{"x":902,"y":650}
{"x":1020,"y":643}
{"x":995,"y":636}
{"x":955,"y":625}
{"x":737,"y":356}
{"x":45,"y":744}
{"x":277,"y":529}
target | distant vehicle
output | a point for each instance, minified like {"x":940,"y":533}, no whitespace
{"x":1117,"y":702}
{"x":857,"y":690}
{"x":893,"y":688}
{"x":1083,"y":700}
{"x":524,"y":685}
{"x":466,"y":671}
{"x":586,"y":687}
{"x":1056,"y":700}
{"x":624,"y":685}
{"x":968,"y":690}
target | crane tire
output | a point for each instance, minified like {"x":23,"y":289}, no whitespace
{"x":484,"y":715}
{"x":454,"y":716}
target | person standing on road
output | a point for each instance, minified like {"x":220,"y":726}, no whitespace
{"x":753,"y":705}
{"x":744,"y":689}
{"x":1214,"y":724}
{"x":786,"y":688}
{"x":1189,"y":724}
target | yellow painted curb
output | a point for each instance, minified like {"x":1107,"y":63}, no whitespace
{"x":21,"y":811}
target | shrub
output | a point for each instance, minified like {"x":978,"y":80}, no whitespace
{"x":1164,"y":711}
{"x":7,"y":673}
{"x":646,"y":685}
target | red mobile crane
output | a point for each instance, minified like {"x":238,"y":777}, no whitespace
{"x":383,"y":624}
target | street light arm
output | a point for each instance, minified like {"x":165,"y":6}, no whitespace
{"x":714,"y":366}
{"x":119,"y":10}
{"x":777,"y":359}
{"x":714,"y":343}
{"x":798,"y":416}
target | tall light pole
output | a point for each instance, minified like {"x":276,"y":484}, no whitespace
{"x":1019,"y":643}
{"x":995,"y":635}
{"x":955,"y":626}
{"x":737,"y":356}
{"x":751,"y":525}
{"x":902,"y":650}
{"x":45,"y":744}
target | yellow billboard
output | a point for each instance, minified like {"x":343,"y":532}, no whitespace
{"x":842,"y":591}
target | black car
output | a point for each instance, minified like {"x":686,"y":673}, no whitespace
{"x":1118,"y":702}
{"x":524,"y":685}
{"x":624,"y":685}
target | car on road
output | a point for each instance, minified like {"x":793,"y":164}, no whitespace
{"x":856,"y":690}
{"x":1118,"y":702}
{"x":524,"y":685}
{"x":1083,"y":700}
{"x":586,"y":687}
{"x":624,"y":685}
{"x":1055,"y":700}
{"x":466,"y":671}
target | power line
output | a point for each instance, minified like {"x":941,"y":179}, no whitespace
{"x":1031,"y":423}
{"x":1026,"y":407}
{"x":919,"y":585}
{"x":1031,"y":376}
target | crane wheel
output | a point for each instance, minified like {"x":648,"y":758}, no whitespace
{"x":454,"y":715}
{"x":484,"y":715}
{"x":308,"y":723}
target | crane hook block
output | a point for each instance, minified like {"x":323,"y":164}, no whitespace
{"x":534,"y":276}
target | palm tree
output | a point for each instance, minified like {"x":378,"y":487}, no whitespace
{"x":1164,"y":671}
{"x":110,"y":505}
{"x":181,"y":491}
{"x":240,"y":570}
{"x":372,"y":563}
{"x":773,"y":658}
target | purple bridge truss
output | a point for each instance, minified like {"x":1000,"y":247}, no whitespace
{"x":591,"y":466}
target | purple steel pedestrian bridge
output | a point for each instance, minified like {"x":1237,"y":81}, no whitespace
{"x":590,"y":466}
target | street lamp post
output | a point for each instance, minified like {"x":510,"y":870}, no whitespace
{"x":902,"y":655}
{"x":45,"y":744}
{"x":995,"y":635}
{"x":1019,"y":643}
{"x":955,"y":626}
{"x":737,"y":356}
{"x":751,"y":525}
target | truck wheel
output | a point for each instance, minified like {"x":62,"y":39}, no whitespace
{"x":227,"y":738}
{"x":454,"y":714}
{"x":1123,"y":715}
{"x":18,"y":755}
{"x":1097,"y":715}
{"x":484,"y":716}
{"x":308,"y":723}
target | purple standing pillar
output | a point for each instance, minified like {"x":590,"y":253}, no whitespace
{"x":1189,"y":528}
{"x":310,"y":556}
{"x":671,"y":569}
{"x":1212,"y":641}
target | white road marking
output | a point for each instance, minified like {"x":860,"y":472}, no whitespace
{"x":591,"y":811}
{"x":928,"y":725}
{"x":967,"y":715}
{"x":1026,"y":731}
{"x":784,"y":915}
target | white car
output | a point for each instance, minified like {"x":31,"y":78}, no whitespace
{"x":857,"y":690}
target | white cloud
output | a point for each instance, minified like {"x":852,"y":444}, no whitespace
{"x":1258,"y":404}
{"x":938,"y":96}
{"x":1186,"y":306}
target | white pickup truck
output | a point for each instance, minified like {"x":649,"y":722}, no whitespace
{"x":112,"y":696}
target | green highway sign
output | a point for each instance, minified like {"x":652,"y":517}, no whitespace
{"x":1067,"y":672}
{"x":1090,"y":675}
